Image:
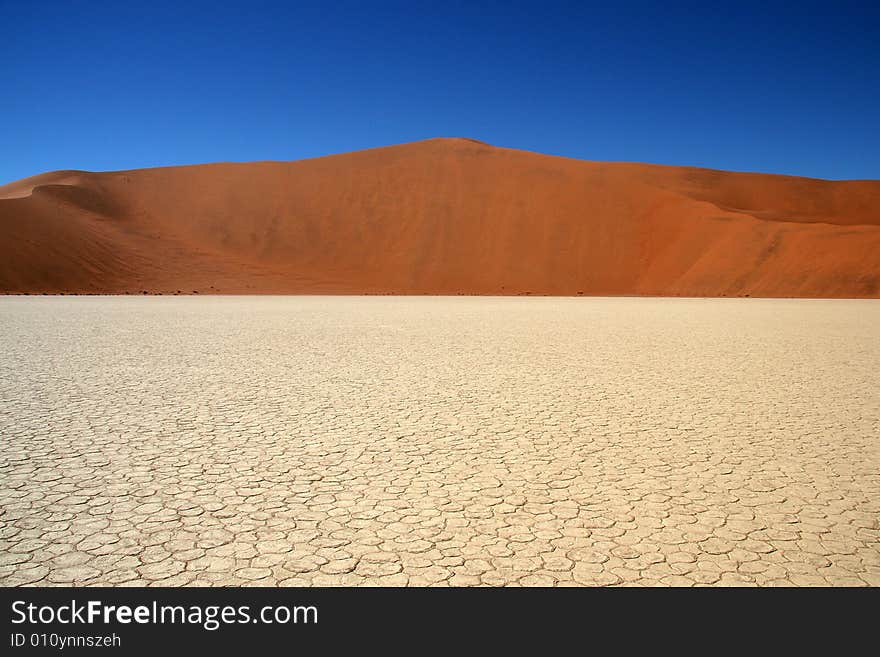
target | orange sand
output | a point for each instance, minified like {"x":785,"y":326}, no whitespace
{"x":443,"y":216}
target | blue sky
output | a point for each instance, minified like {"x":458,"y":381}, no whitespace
{"x":775,"y":87}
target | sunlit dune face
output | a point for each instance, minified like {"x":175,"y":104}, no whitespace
{"x":443,"y":216}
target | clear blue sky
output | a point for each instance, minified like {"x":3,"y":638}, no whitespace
{"x":775,"y":87}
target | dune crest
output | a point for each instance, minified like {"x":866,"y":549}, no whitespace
{"x":442,"y":216}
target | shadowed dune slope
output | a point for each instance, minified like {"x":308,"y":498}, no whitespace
{"x":443,"y":216}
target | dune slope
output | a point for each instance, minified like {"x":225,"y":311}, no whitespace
{"x":443,"y":216}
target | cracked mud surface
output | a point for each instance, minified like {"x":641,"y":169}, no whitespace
{"x":452,"y":441}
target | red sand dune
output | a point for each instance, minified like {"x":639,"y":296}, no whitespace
{"x":443,"y":216}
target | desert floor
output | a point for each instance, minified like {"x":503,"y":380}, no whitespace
{"x":454,"y":441}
